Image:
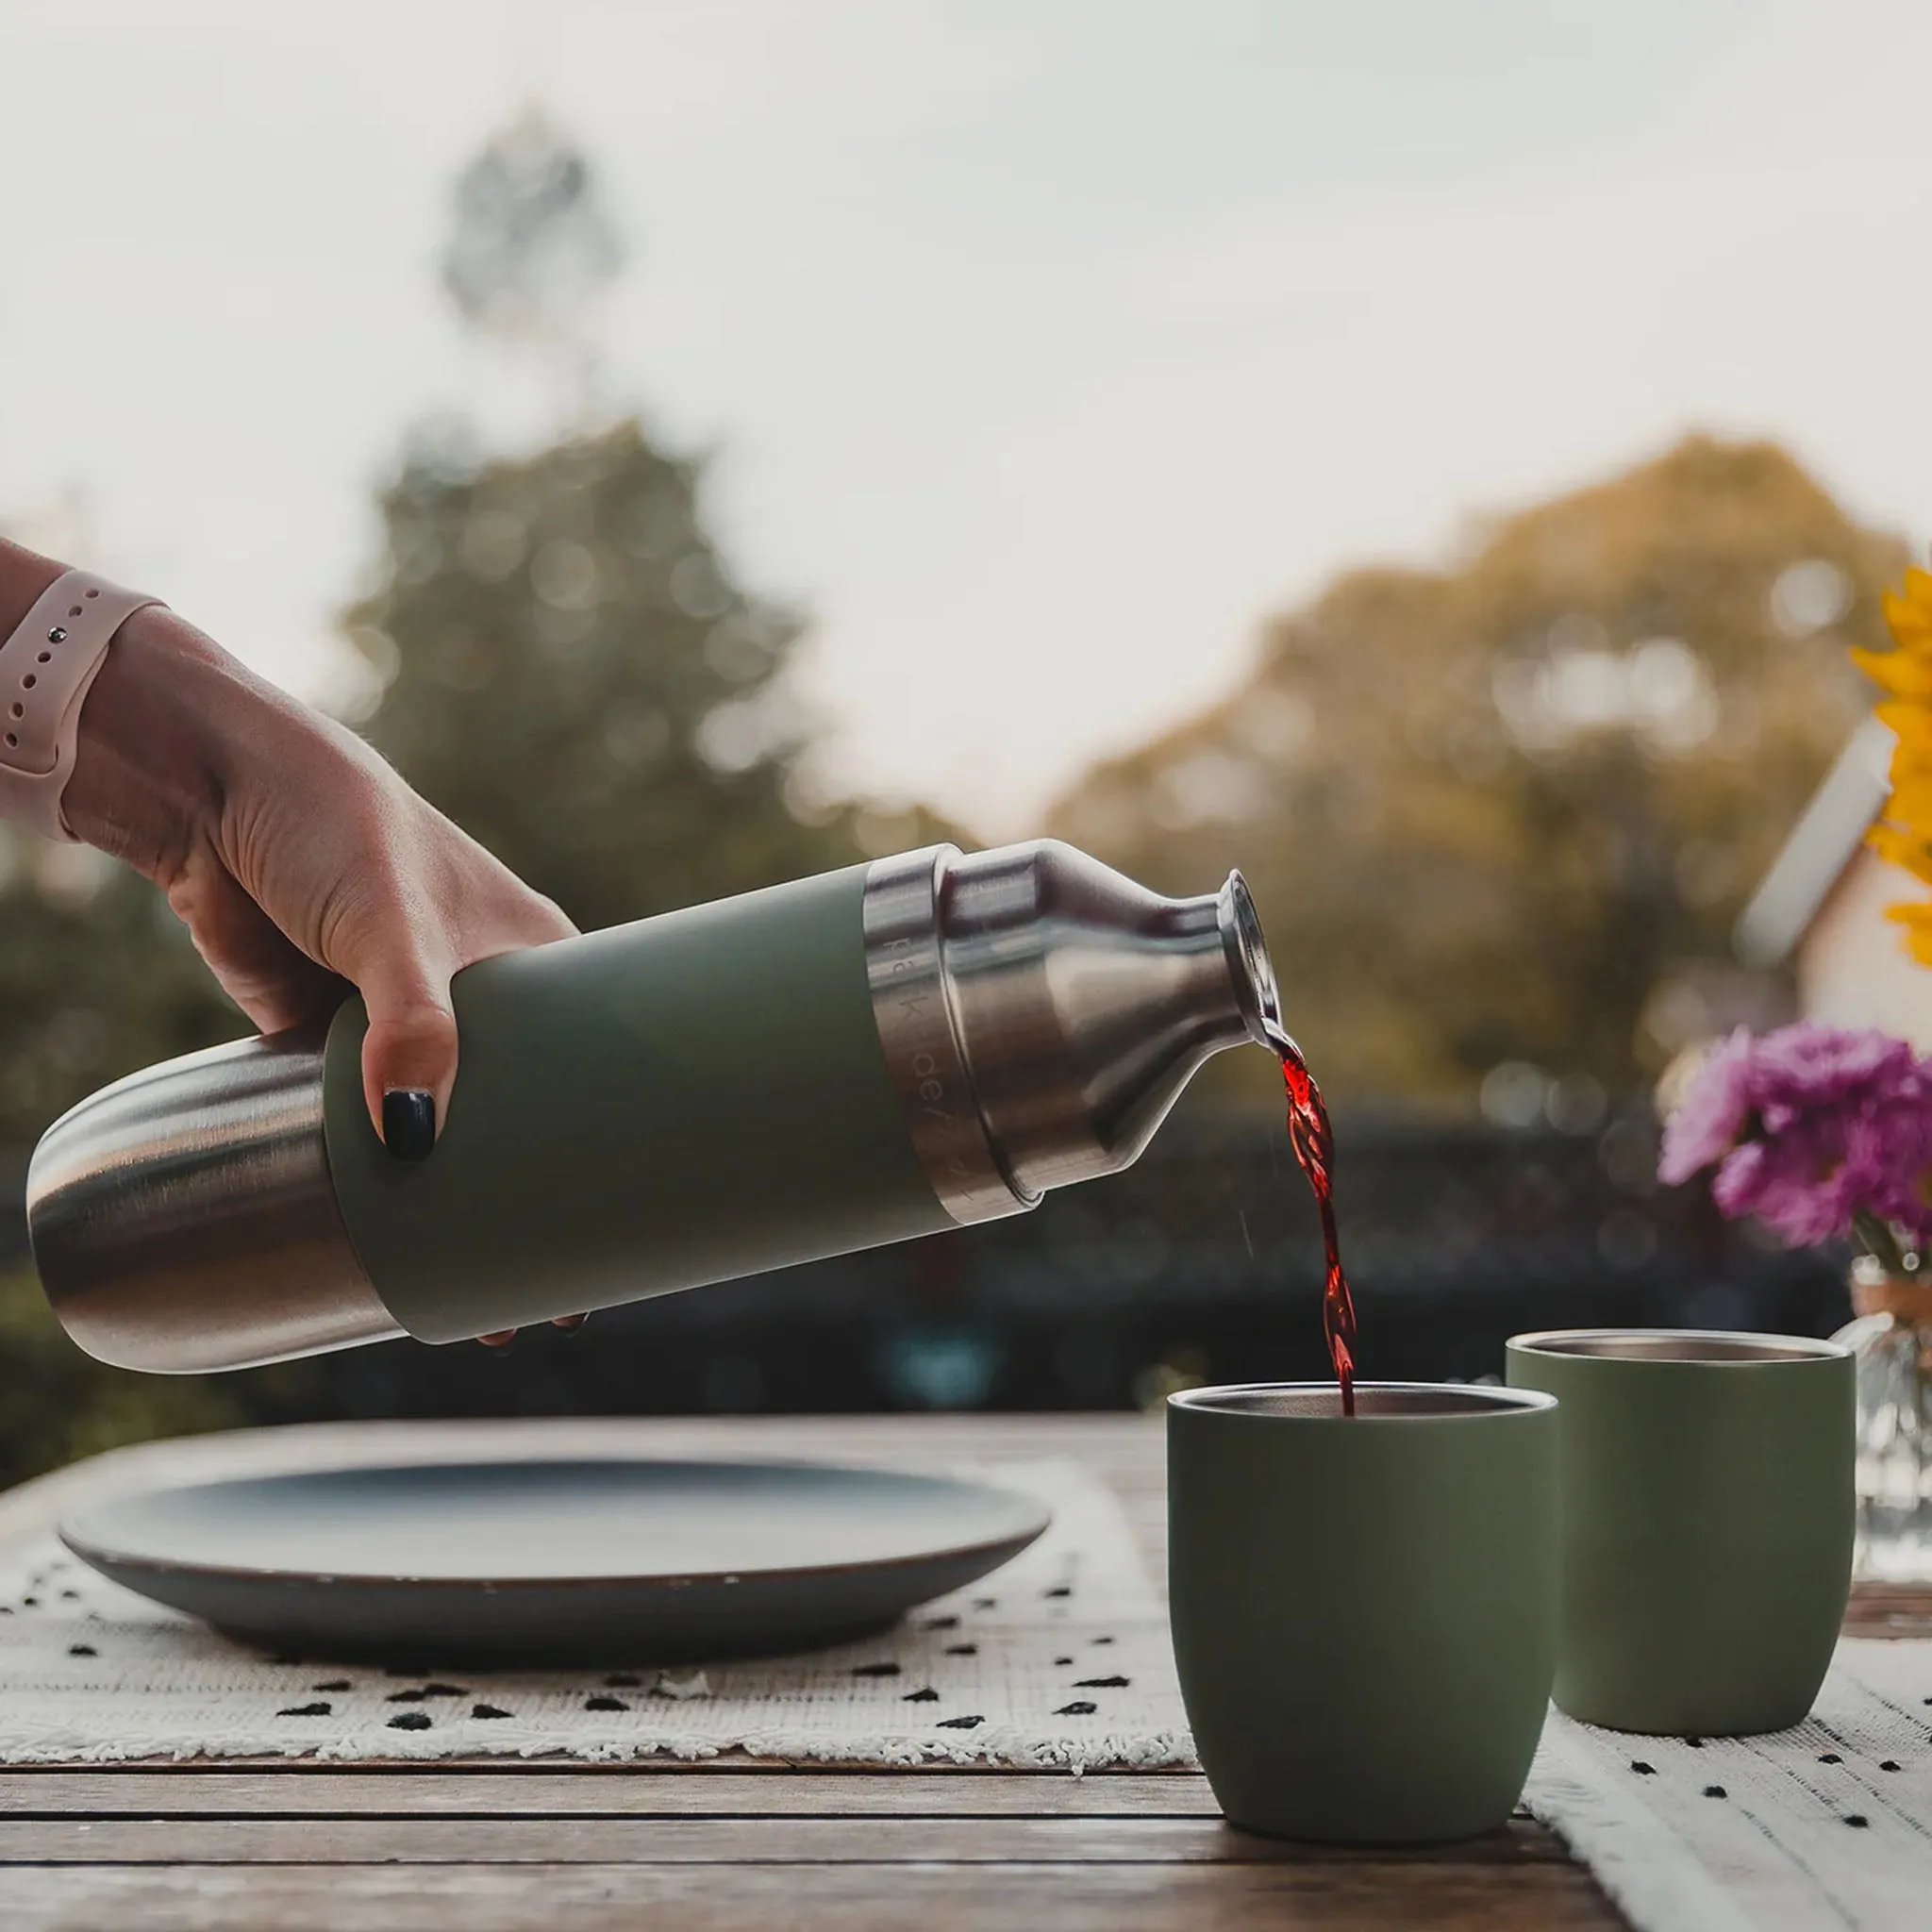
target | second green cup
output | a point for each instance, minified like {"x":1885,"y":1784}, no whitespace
{"x":1706,"y":1490}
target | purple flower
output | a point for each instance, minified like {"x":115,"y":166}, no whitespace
{"x":1807,"y":1127}
{"x":1706,"y":1126}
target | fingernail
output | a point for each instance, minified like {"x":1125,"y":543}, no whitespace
{"x":569,"y":1324}
{"x":502,"y":1347}
{"x":408,"y":1123}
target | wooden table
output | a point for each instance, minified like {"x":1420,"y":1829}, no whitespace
{"x":736,"y":1844}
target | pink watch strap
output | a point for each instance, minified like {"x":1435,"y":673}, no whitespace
{"x":45,"y":669}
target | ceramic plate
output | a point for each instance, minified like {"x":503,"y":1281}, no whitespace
{"x":555,"y":1562}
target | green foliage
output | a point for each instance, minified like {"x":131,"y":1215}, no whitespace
{"x":61,"y":1405}
{"x":573,"y":673}
{"x":97,"y":978}
{"x":1511,"y":810}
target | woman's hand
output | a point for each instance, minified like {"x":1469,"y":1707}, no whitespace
{"x":297,"y":859}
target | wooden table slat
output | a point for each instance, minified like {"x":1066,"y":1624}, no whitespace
{"x":732,"y":1840}
{"x":630,"y":1792}
{"x":792,"y":1898}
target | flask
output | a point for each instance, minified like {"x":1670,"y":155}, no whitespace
{"x":887,"y":1051}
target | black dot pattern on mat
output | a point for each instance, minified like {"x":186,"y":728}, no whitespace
{"x":1829,"y":1757}
{"x":1058,"y":1590}
{"x":992,"y":1602}
{"x":962,"y":1650}
{"x":605,"y":1703}
{"x":1102,"y":1640}
{"x":1715,"y":1791}
{"x":82,"y":1650}
{"x":1064,"y":1660}
{"x":333,"y":1684}
{"x":1102,"y":1683}
{"x":69,"y":1597}
{"x":926,"y":1696}
{"x":1080,"y":1707}
{"x":487,"y":1710}
{"x":1642,"y":1769}
{"x":1696,"y":1743}
{"x":1889,"y":1764}
{"x":623,"y":1680}
{"x":943,"y":1624}
{"x":1857,"y":1821}
{"x":875,"y":1670}
{"x":306,"y":1711}
{"x":960,"y":1723}
{"x":423,"y":1691}
{"x":33,"y":1603}
{"x":409,"y":1720}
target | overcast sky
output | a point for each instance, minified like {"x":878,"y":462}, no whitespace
{"x":1044,"y":344}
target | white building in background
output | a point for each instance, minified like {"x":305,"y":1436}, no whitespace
{"x":1821,"y":906}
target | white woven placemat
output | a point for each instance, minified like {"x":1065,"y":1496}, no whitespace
{"x":1827,"y":1825}
{"x":1060,"y":1659}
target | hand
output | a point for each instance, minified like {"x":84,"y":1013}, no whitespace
{"x":295,"y":857}
{"x":300,"y":862}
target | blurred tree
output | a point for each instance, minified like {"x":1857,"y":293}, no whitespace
{"x":568,"y":666}
{"x":571,"y":672}
{"x":62,"y":1404}
{"x":97,"y":978}
{"x":1507,"y":812}
{"x":532,"y":248}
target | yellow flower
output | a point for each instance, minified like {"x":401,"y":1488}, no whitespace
{"x":1904,"y":831}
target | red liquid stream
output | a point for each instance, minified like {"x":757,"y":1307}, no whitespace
{"x":1314,"y":1150}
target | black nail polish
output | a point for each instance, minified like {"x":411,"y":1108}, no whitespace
{"x":408,"y":1123}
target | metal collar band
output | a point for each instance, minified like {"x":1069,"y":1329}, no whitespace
{"x":905,"y":966}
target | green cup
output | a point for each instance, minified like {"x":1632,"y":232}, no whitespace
{"x":1707,"y":1515}
{"x":1364,"y":1609}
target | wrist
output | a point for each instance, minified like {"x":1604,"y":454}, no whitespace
{"x":164,"y":731}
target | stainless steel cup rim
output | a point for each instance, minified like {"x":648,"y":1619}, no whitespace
{"x":1383,"y":1402}
{"x":1708,"y":1348}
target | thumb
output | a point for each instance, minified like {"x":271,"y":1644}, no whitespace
{"x":410,"y":1052}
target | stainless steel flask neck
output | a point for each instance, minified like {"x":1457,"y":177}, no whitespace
{"x":1040,"y":1013}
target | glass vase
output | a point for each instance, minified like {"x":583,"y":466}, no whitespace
{"x":1891,"y":1336}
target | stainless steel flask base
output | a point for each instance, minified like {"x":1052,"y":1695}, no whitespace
{"x":1039,"y":1014}
{"x":184,"y":1218}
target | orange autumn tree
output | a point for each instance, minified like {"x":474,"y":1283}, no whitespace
{"x":1509,"y":809}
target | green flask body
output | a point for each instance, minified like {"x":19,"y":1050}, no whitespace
{"x":683,"y":1100}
